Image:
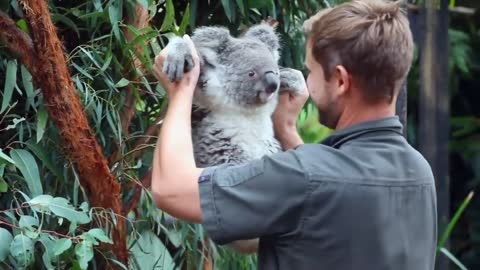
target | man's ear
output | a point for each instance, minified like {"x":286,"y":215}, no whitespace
{"x":343,"y":79}
{"x":210,"y":41}
{"x":265,"y":33}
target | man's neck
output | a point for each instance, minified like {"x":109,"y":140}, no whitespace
{"x":357,"y":114}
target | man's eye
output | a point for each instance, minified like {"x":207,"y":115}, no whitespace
{"x":251,"y":73}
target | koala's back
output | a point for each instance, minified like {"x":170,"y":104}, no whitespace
{"x":232,"y":138}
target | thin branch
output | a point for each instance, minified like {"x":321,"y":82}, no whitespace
{"x":139,"y":20}
{"x":150,"y":133}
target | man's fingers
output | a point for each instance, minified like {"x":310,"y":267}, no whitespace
{"x":192,"y":49}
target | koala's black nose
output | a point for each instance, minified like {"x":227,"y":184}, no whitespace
{"x":271,"y":81}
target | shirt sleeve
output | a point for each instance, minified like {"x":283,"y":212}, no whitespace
{"x":263,"y":197}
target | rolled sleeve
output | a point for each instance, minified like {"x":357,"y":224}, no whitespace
{"x":259,"y":198}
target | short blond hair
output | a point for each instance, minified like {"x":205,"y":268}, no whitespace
{"x":370,"y":38}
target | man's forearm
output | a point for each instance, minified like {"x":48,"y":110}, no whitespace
{"x":174,"y":146}
{"x":173,"y":163}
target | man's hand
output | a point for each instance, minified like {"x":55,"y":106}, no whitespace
{"x":169,"y":64}
{"x":293,"y":95}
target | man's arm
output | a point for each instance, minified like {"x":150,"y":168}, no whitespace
{"x":174,"y":173}
{"x":284,"y":118}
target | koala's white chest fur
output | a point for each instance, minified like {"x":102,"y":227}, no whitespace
{"x":230,"y":137}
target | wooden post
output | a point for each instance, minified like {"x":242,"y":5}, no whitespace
{"x":433,"y":130}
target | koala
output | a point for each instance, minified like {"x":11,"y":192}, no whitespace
{"x":235,"y":97}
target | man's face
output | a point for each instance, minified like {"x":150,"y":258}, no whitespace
{"x":322,"y":92}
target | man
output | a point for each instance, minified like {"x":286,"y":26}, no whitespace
{"x":362,"y":199}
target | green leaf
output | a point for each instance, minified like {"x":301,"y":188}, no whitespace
{"x":100,"y":235}
{"x":61,"y":245}
{"x":62,"y":208}
{"x":21,"y":249}
{"x":84,"y":253}
{"x":5,"y":240}
{"x":150,"y":253}
{"x":169,"y":17}
{"x":27,"y":165}
{"x":228,"y":6}
{"x":3,"y":185}
{"x":185,"y":20}
{"x":46,"y":158}
{"x":51,"y":246}
{"x":122,"y":83}
{"x":5,"y":157}
{"x":41,"y":202}
{"x":27,"y":85}
{"x":22,"y":24}
{"x":454,"y":220}
{"x":241,"y":6}
{"x":42,"y":117}
{"x":453,"y":258}
{"x":28,"y":222}
{"x":115,"y":15}
{"x":10,"y":82}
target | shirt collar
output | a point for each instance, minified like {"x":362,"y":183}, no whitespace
{"x":388,"y":124}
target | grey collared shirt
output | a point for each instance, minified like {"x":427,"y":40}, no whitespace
{"x":361,"y":199}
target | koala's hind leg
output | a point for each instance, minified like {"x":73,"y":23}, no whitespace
{"x":179,"y":59}
{"x":292,"y":80}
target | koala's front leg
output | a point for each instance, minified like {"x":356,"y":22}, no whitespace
{"x":179,"y":59}
{"x":292,"y":80}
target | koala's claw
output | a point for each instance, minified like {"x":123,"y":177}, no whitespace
{"x":179,"y":59}
{"x":292,"y":80}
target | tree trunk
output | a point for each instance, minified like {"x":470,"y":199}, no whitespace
{"x":50,"y":73}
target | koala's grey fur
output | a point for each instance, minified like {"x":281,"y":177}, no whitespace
{"x":236,"y":95}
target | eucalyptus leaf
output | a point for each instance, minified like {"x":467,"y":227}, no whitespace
{"x":84,"y":253}
{"x":100,"y":235}
{"x":27,"y":85}
{"x":27,"y":165}
{"x":28,"y":222}
{"x":46,"y":156}
{"x":5,"y":157}
{"x":42,"y":117}
{"x":229,"y":7}
{"x":3,"y":185}
{"x":10,"y":82}
{"x":169,"y":17}
{"x":41,"y":202}
{"x":150,"y":253}
{"x":21,"y":249}
{"x":122,"y":83}
{"x":62,"y":208}
{"x":61,"y":245}
{"x":5,"y":240}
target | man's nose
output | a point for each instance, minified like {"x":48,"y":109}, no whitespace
{"x":272,"y":81}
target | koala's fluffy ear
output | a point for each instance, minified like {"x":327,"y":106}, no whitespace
{"x":265,"y":33}
{"x":210,"y":41}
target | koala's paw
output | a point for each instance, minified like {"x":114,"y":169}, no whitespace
{"x":179,"y":59}
{"x":292,"y":80}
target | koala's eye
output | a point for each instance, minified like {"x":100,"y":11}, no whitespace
{"x":251,"y":73}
